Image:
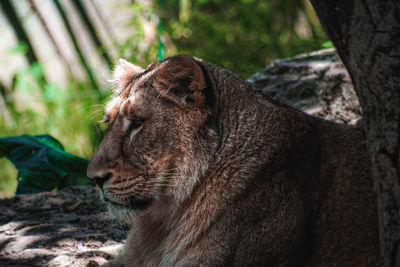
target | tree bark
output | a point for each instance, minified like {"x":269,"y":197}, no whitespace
{"x":366,"y":34}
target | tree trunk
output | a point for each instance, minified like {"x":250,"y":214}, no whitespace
{"x":366,"y":34}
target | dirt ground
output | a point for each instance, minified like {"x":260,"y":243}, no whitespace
{"x":65,"y":228}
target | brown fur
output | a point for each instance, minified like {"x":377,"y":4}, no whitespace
{"x":212,"y":172}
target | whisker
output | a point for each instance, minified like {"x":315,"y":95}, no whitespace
{"x":129,"y":194}
{"x":160,"y":173}
{"x":141,"y":184}
{"x":153,"y":184}
{"x":162,"y":185}
{"x":94,"y":114}
{"x":97,"y":105}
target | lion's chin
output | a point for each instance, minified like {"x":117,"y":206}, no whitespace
{"x":125,"y":212}
{"x":122,"y":214}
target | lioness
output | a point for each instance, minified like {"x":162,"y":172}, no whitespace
{"x":209,"y":171}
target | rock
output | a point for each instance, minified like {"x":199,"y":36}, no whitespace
{"x":316,"y":83}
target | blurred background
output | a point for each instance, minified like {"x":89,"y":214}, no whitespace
{"x":56,"y":55}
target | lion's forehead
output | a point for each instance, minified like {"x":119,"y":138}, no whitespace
{"x":124,"y":105}
{"x":131,"y":97}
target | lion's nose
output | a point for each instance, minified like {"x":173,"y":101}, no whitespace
{"x":100,"y":177}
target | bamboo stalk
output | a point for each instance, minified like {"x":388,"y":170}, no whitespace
{"x":3,"y":105}
{"x":16,"y":24}
{"x":45,"y":24}
{"x":109,"y":29}
{"x":75,"y":43}
{"x":11,"y":15}
{"x":92,"y":31}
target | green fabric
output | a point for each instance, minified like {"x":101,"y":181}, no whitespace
{"x":42,"y":163}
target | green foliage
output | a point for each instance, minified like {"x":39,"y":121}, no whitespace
{"x":71,"y":114}
{"x":327,"y":44}
{"x":29,"y":79}
{"x":42,"y":163}
{"x":21,"y":48}
{"x":135,"y":48}
{"x":245,"y":35}
{"x":241,"y":35}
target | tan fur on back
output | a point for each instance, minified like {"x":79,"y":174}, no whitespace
{"x":209,"y":171}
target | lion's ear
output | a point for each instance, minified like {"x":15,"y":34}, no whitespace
{"x":123,"y":73}
{"x":182,"y":77}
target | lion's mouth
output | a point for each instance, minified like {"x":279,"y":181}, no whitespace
{"x":136,"y":204}
{"x":110,"y":201}
{"x":140,"y":204}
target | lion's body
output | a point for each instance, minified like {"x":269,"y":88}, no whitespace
{"x":240,"y":178}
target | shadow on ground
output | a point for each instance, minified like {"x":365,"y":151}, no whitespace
{"x":66,"y":228}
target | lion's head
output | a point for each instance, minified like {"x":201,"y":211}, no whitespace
{"x":159,"y":140}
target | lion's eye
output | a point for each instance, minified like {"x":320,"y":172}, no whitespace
{"x":136,"y":122}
